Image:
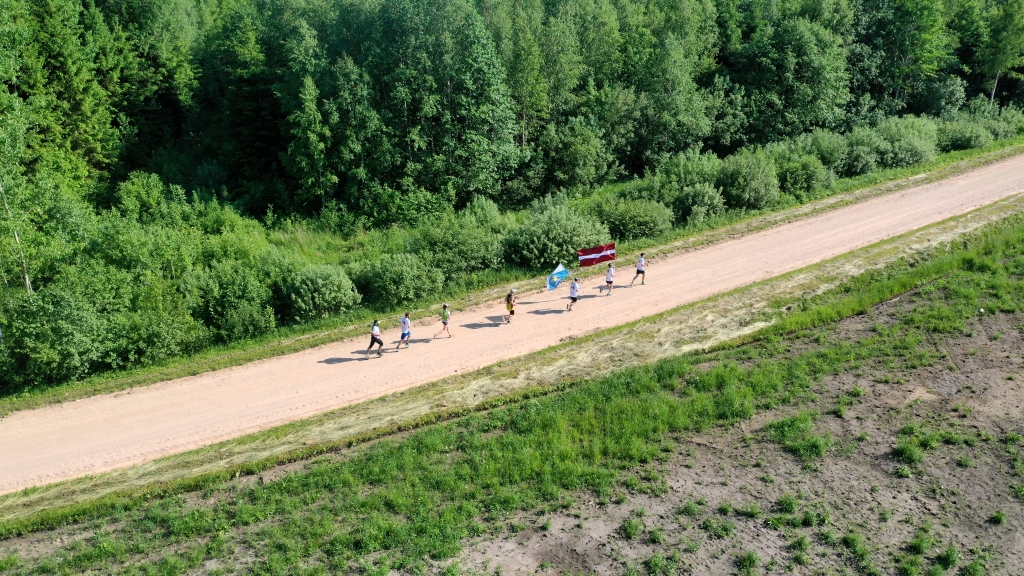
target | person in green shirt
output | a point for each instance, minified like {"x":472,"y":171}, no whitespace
{"x":446,"y":316}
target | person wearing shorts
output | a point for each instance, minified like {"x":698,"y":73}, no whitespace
{"x":446,"y":316}
{"x":375,"y":339}
{"x":574,"y":293}
{"x":406,"y":331}
{"x":609,"y":278}
{"x":510,"y":305}
{"x":640,"y":265}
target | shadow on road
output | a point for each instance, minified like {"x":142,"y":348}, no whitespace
{"x":495,"y":321}
{"x":339,"y":360}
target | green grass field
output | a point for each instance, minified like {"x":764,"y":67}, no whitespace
{"x":410,"y":503}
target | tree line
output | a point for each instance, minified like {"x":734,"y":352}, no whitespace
{"x":391,"y":110}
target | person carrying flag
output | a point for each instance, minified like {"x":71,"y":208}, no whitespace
{"x":640,"y":265}
{"x":446,"y":316}
{"x":574,"y":293}
{"x":406,"y":331}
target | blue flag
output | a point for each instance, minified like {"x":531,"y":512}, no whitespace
{"x":556,"y":277}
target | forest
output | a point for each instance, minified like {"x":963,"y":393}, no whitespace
{"x":178,"y":174}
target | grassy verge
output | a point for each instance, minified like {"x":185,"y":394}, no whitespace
{"x":984,"y":252}
{"x":488,"y":288}
{"x":409,"y":504}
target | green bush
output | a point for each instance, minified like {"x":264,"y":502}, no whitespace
{"x":865,"y":148}
{"x":457,"y":244}
{"x":141,"y":195}
{"x":632,"y":219}
{"x":644,"y":189}
{"x":231,"y":299}
{"x":831,"y":148}
{"x":55,"y":337}
{"x":1013,"y":118}
{"x":553,"y":235}
{"x":320,"y":291}
{"x":697,"y":202}
{"x":395,"y":280}
{"x":962,"y":135}
{"x":152,"y":324}
{"x":277,"y":268}
{"x":95,"y":317}
{"x":804,"y":175}
{"x":1001,"y":123}
{"x":688,"y":168}
{"x":749,"y":180}
{"x":486,"y":214}
{"x":911,"y":140}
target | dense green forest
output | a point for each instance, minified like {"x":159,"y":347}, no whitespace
{"x":168,"y":164}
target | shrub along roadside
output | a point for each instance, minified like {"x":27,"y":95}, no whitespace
{"x":294,"y":338}
{"x":212,"y":277}
{"x":991,"y":247}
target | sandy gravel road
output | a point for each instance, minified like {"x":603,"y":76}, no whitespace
{"x":117,"y":430}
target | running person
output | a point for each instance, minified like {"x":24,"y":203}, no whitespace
{"x":375,"y":339}
{"x":510,"y":305}
{"x":640,"y":265}
{"x":446,"y":316}
{"x":406,"y":331}
{"x":574,"y":293}
{"x":609,"y":278}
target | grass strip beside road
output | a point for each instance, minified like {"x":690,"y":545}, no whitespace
{"x":410,"y":503}
{"x":851,"y":298}
{"x":290,"y":340}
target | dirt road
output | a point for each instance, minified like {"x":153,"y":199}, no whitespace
{"x":107,"y":432}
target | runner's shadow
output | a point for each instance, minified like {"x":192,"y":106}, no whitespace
{"x":421,"y":341}
{"x":495,"y":321}
{"x":546,"y":312}
{"x":340,"y":360}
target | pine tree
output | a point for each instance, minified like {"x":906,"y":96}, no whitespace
{"x":307,"y":153}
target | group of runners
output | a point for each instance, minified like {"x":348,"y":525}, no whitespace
{"x":406,"y":322}
{"x":510,"y":306}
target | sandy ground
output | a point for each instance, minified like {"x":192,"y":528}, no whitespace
{"x":108,"y":432}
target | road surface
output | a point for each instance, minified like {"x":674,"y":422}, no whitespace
{"x":102,"y":433}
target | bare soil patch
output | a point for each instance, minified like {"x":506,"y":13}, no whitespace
{"x":975,"y":392}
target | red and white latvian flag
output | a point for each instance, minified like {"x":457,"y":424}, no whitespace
{"x":597,"y":254}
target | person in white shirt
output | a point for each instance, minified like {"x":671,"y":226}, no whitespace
{"x":375,"y":339}
{"x":574,"y":293}
{"x":641,"y":264}
{"x":406,"y":331}
{"x":609,"y":278}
